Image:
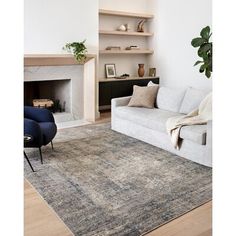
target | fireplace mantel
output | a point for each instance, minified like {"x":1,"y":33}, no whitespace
{"x":64,"y":66}
{"x":54,"y":59}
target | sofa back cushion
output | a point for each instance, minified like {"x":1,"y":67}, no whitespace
{"x":170,"y":99}
{"x":192,"y":100}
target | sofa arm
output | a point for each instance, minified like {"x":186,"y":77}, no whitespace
{"x":209,"y":133}
{"x":38,"y":114}
{"x":117,"y":102}
{"x":209,"y":143}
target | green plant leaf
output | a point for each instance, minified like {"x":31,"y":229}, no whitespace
{"x":206,"y":47}
{"x":205,"y":33}
{"x":198,"y":62}
{"x":202,"y":68}
{"x":208,"y":73}
{"x":197,"y":42}
{"x":78,"y":49}
{"x":201,"y":53}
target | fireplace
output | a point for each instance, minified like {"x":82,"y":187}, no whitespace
{"x":56,"y":90}
{"x":62,"y":78}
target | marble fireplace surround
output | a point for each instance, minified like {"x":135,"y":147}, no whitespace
{"x":82,"y":76}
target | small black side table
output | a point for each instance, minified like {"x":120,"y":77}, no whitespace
{"x":28,"y":138}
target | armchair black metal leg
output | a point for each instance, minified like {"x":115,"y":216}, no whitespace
{"x":52,"y":145}
{"x":41,"y":156}
{"x":28,"y":162}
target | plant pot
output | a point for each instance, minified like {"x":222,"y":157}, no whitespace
{"x":141,"y":70}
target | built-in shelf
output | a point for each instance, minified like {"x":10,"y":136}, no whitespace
{"x":125,"y":33}
{"x":125,"y":14}
{"x":140,"y":51}
{"x":128,"y":78}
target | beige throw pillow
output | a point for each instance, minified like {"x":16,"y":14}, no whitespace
{"x":143,"y":96}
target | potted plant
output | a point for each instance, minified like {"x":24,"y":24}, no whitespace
{"x":204,"y":51}
{"x":78,"y":49}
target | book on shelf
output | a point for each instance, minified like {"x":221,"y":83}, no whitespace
{"x":113,"y":48}
{"x":132,"y":48}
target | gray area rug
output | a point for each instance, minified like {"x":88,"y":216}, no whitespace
{"x":101,"y":182}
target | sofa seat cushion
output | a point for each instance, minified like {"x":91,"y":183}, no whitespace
{"x":150,"y":118}
{"x":194,"y":133}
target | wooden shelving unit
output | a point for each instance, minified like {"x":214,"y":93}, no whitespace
{"x":123,"y":59}
{"x":125,"y":14}
{"x":140,"y":51}
{"x":109,"y":32}
{"x":126,"y":33}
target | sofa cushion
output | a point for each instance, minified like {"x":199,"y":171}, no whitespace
{"x":150,"y":118}
{"x":143,"y":96}
{"x":192,"y":100}
{"x":170,"y":99}
{"x":194,"y":133}
{"x":49,"y":130}
{"x":153,"y":84}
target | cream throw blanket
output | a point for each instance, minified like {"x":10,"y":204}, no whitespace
{"x":197,"y":117}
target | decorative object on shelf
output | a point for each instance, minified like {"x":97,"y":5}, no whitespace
{"x":141,"y":70}
{"x":204,"y":51}
{"x":110,"y":70}
{"x":128,"y":28}
{"x":78,"y":49}
{"x":124,"y":76}
{"x":132,"y":48}
{"x":152,"y":72}
{"x":141,"y":26}
{"x":122,"y":28}
{"x":113,"y":48}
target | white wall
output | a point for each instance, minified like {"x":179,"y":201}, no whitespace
{"x":125,"y":5}
{"x":50,"y":24}
{"x":175,"y":25}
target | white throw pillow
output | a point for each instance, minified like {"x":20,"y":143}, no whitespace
{"x":152,"y":84}
{"x":170,"y":99}
{"x":192,"y":100}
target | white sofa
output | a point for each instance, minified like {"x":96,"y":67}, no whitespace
{"x":149,"y":125}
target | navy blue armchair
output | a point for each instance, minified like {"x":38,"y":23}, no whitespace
{"x":40,"y":125}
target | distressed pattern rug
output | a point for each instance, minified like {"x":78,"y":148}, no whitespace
{"x":101,"y":182}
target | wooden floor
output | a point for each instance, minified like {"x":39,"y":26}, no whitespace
{"x":41,"y":220}
{"x":195,"y":223}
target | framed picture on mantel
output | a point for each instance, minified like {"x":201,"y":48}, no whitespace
{"x":110,"y":70}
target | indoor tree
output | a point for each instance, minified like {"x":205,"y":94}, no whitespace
{"x":204,"y":51}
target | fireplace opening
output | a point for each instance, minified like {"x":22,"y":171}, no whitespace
{"x":53,"y":94}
